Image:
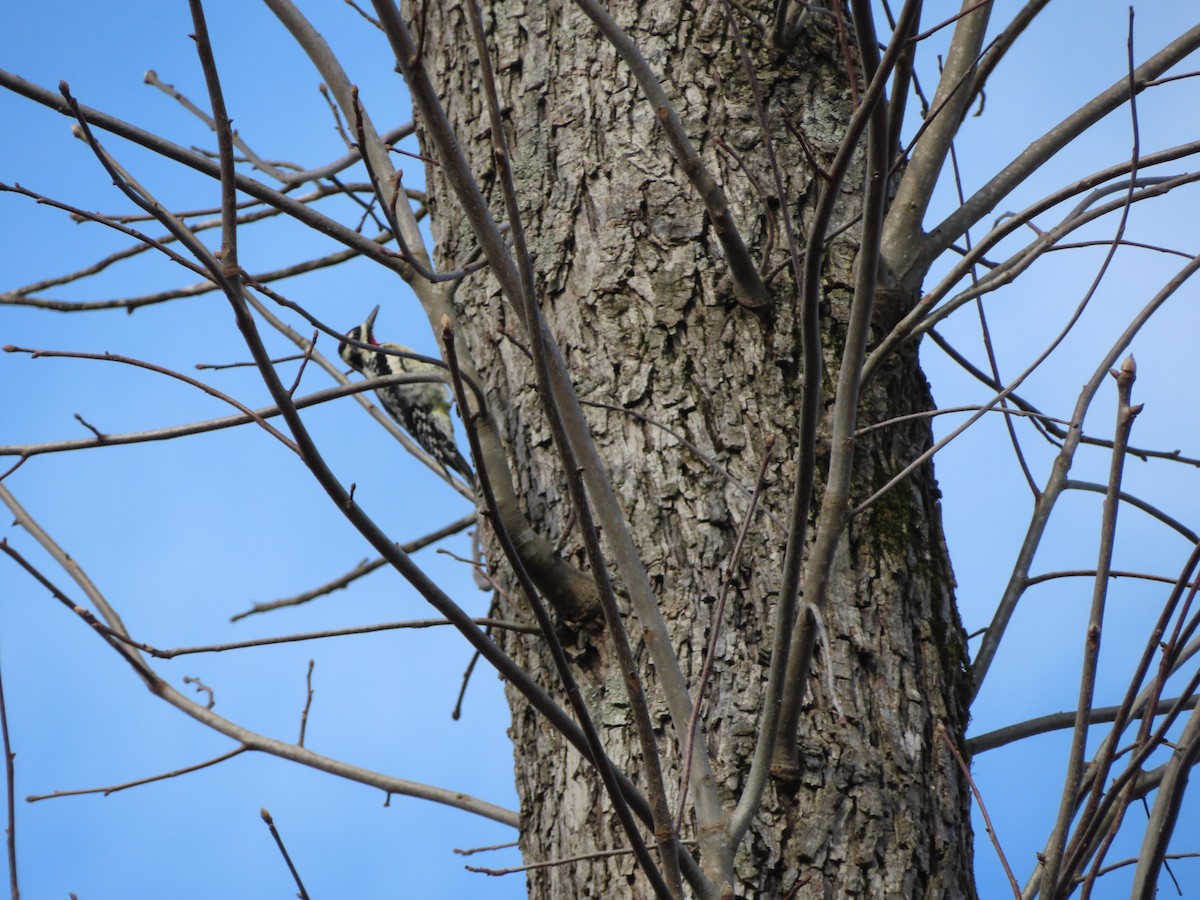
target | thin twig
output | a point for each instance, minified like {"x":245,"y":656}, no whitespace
{"x":362,"y":12}
{"x":966,"y":10}
{"x":1091,"y":573}
{"x":1052,"y":425}
{"x":249,"y":364}
{"x":944,"y":735}
{"x":1052,"y":874}
{"x":391,"y":196}
{"x":251,"y":740}
{"x":151,"y":78}
{"x":363,"y":568}
{"x":308,"y":698}
{"x":760,"y":111}
{"x":161,"y":370}
{"x":718,"y":617}
{"x":986,"y":334}
{"x":1132,"y":861}
{"x":10,"y":780}
{"x":114,"y":788}
{"x":202,"y":688}
{"x":456,"y":713}
{"x":407,"y":624}
{"x":544,"y":864}
{"x":312,"y":346}
{"x":1148,"y":508}
{"x":999,"y":47}
{"x":266,"y":817}
{"x":1009,"y":734}
{"x":471,"y":851}
{"x":162,"y":434}
{"x":18,"y":297}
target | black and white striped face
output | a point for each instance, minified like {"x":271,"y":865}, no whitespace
{"x":357,"y":357}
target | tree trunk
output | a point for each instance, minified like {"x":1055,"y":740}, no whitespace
{"x":632,"y":280}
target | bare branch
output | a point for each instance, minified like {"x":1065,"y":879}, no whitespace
{"x":962,"y":763}
{"x":1126,"y":413}
{"x":1036,"y":154}
{"x":10,"y":781}
{"x":151,"y":78}
{"x":114,"y":788}
{"x":902,"y":240}
{"x":374,"y":150}
{"x":785,"y":624}
{"x":1148,"y":508}
{"x":1164,"y":815}
{"x":243,"y":736}
{"x":1099,"y":715}
{"x":266,"y":817}
{"x":165,"y":434}
{"x":293,"y":207}
{"x":1051,"y":424}
{"x":923,"y":317}
{"x":308,"y":697}
{"x":363,"y":568}
{"x":1000,"y":46}
{"x":410,"y":624}
{"x":160,"y":370}
{"x":1058,"y":477}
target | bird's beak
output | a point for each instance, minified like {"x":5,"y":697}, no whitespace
{"x":370,"y":323}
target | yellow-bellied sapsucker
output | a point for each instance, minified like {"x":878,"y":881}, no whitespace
{"x":422,"y":408}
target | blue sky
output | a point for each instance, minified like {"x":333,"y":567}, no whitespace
{"x":179,"y":538}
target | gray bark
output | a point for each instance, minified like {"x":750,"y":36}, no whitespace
{"x":633,"y":283}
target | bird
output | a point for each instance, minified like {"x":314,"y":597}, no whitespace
{"x":420,"y":408}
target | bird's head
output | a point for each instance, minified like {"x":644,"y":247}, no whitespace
{"x":364,"y":333}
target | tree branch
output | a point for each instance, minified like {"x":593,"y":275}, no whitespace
{"x":1036,"y":154}
{"x":205,"y":716}
{"x":902,"y":237}
{"x":1126,"y":413}
{"x":835,"y":501}
{"x":784,"y":623}
{"x":1009,"y":734}
{"x":1058,"y":477}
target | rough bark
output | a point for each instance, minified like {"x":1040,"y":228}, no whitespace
{"x":632,"y":281}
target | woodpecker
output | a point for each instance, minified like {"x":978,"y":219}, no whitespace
{"x":422,"y":409}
